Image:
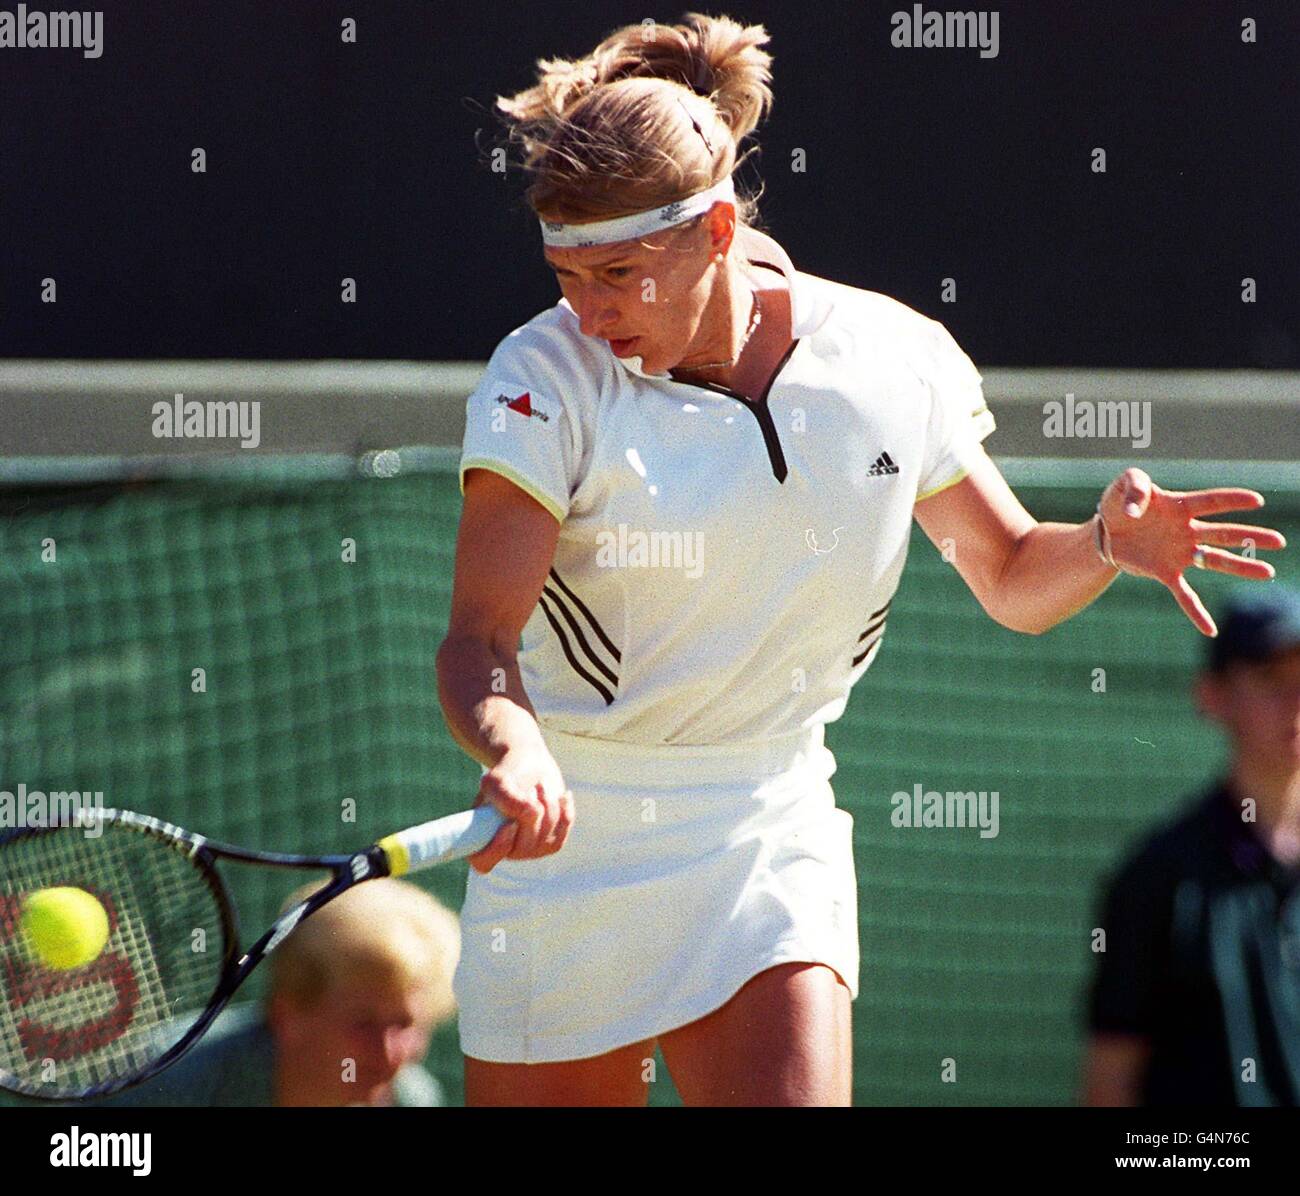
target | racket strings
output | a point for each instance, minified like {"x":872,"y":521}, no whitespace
{"x":70,"y":1031}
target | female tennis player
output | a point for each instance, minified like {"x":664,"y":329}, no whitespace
{"x":689,"y":487}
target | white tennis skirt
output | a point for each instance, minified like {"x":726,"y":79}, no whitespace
{"x":688,"y":870}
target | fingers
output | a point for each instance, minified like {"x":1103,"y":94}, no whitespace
{"x":1192,"y":606}
{"x":1138,"y":489}
{"x":1238,"y":566}
{"x":524,"y":814}
{"x":566,"y":819}
{"x":536,"y":830}
{"x":1234,"y":535}
{"x":1162,"y":545}
{"x":502,"y":845}
{"x":538,"y":823}
{"x":1218,"y":500}
{"x":1133,"y":489}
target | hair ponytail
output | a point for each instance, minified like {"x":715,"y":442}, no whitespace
{"x":654,"y":113}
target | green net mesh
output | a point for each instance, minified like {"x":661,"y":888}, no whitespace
{"x":315,"y":608}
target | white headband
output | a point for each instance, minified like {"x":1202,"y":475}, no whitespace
{"x":639,"y":224}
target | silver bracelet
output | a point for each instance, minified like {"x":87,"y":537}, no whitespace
{"x":1101,"y":538}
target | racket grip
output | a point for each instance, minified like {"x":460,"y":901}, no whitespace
{"x":451,"y":838}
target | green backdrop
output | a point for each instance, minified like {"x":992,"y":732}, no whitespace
{"x":320,"y":688}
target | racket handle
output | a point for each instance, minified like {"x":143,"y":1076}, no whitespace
{"x":451,"y":838}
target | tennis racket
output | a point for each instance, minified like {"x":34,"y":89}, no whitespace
{"x":172,"y":960}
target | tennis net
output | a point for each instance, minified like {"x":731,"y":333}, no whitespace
{"x":252,"y":656}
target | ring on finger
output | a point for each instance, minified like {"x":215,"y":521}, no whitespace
{"x":1198,"y":557}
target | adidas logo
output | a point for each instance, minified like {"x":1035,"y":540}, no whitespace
{"x":884,"y":464}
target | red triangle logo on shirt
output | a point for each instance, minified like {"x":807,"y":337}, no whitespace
{"x":523,"y":404}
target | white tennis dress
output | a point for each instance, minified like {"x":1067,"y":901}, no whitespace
{"x":722,"y":578}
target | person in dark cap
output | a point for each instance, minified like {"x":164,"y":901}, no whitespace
{"x":1196,"y":997}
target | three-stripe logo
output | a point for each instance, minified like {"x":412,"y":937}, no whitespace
{"x":558,"y":601}
{"x":874,"y":633}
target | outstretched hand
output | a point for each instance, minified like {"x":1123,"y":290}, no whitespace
{"x":1159,"y":533}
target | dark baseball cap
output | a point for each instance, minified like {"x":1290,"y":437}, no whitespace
{"x":1256,"y":625}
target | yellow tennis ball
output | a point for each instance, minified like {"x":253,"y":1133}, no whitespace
{"x":66,"y":927}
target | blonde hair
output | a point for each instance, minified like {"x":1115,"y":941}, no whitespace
{"x":653,"y":114}
{"x":386,"y":931}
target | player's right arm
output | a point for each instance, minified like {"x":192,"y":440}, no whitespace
{"x":1115,"y":1070}
{"x":504,"y":550}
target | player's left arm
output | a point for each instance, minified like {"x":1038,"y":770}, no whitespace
{"x":1030,"y":576}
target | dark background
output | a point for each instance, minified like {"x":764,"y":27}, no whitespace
{"x":328,"y":160}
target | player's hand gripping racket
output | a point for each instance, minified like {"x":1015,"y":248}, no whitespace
{"x":119,"y":943}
